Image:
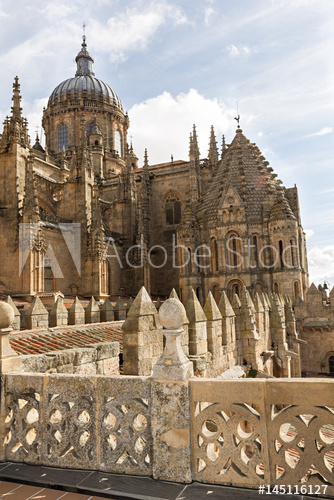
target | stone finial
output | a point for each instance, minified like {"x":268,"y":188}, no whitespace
{"x":76,"y":313}
{"x":58,"y":313}
{"x":173,"y":294}
{"x":158,"y":303}
{"x":142,"y":305}
{"x":236,"y":304}
{"x":36,"y":315}
{"x":194,"y":309}
{"x":17,"y":317}
{"x":92,"y":312}
{"x":120,"y":310}
{"x":173,"y":315}
{"x":142,"y":315}
{"x":259,"y":307}
{"x":9,"y":360}
{"x":225,"y":307}
{"x":107,"y":311}
{"x":6,"y":315}
{"x":173,"y":364}
{"x":210,"y":309}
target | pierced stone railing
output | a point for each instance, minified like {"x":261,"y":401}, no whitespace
{"x":251,"y":432}
{"x":85,"y":422}
{"x":172,"y":425}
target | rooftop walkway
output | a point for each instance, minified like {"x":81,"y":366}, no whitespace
{"x":71,"y":484}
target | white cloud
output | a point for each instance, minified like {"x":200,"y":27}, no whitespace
{"x":323,"y":131}
{"x":133,"y":29}
{"x":163,"y":124}
{"x":308,"y":233}
{"x":321,"y":264}
{"x":208,"y":13}
{"x":235,"y":51}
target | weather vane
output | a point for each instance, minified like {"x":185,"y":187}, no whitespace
{"x":84,"y":32}
{"x":238,"y":119}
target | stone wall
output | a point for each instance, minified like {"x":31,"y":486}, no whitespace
{"x":315,"y":322}
{"x":97,"y":359}
{"x":259,"y":335}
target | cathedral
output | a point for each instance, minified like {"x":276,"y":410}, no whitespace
{"x":81,"y":216}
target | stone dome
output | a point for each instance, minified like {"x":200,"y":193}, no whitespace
{"x":85,"y":81}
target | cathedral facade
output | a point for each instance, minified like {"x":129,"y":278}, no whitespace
{"x":82,"y":217}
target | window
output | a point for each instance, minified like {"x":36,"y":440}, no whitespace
{"x":296,"y":289}
{"x":62,"y":137}
{"x":293,"y":259}
{"x":281,"y":256}
{"x":234,"y":256}
{"x":255,"y":251}
{"x":214,"y":255}
{"x":276,"y":289}
{"x":331,"y":364}
{"x":118,"y":143}
{"x":173,"y":210}
{"x":188,"y":260}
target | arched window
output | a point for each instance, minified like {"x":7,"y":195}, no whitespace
{"x":214,"y":255}
{"x":296,"y":289}
{"x":293,"y":255}
{"x":216,"y":293}
{"x":331,"y":364}
{"x":188,"y":260}
{"x":281,"y":256}
{"x":255,"y":251}
{"x":235,"y":289}
{"x":276,"y":289}
{"x":234,"y":256}
{"x":118,"y":143}
{"x":173,"y":209}
{"x":62,"y":137}
{"x":199,"y":293}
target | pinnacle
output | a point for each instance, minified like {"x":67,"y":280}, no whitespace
{"x":142,"y":305}
{"x":76,"y":306}
{"x":194,"y":309}
{"x":210,"y":308}
{"x":173,"y":295}
{"x":225,"y":307}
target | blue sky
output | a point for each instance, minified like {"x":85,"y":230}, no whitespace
{"x":175,"y":63}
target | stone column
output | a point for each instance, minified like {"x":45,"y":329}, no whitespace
{"x":9,"y":360}
{"x":214,"y":332}
{"x":198,"y":345}
{"x":142,"y":338}
{"x":171,"y":401}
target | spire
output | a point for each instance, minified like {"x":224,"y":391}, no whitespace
{"x":145,"y":197}
{"x":194,"y":167}
{"x":213,"y":151}
{"x":84,"y":60}
{"x":15,"y":129}
{"x":16,"y":109}
{"x":224,"y":147}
